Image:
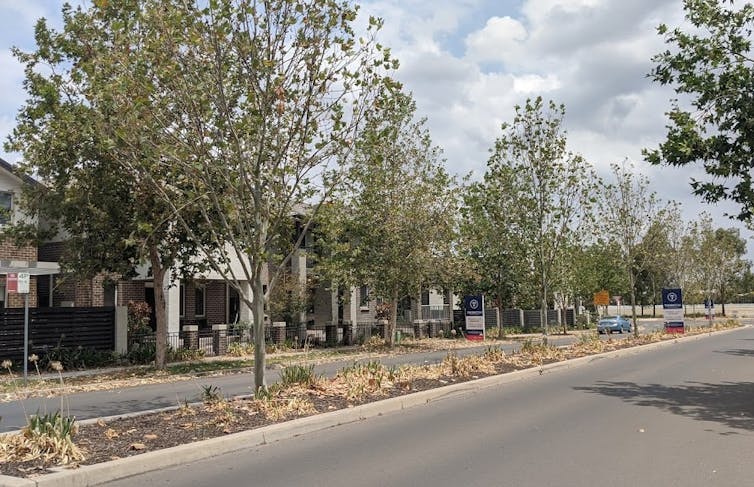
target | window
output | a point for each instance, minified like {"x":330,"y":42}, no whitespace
{"x":425,"y":297}
{"x":364,"y":296}
{"x":6,"y":207}
{"x":182,"y":301}
{"x":199,"y":302}
{"x":2,"y":296}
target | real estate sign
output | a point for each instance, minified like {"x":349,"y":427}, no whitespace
{"x":672,"y":309}
{"x":474,"y":312}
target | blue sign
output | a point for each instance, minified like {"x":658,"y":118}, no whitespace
{"x":473,"y":305}
{"x":672,"y":298}
{"x":474,"y":317}
{"x":709,"y":304}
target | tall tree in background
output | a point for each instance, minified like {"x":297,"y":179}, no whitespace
{"x":553,"y":188}
{"x":629,"y":211}
{"x":712,"y":65}
{"x":393,"y":225}
{"x":491,"y":241}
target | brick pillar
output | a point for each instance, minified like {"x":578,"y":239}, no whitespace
{"x":192,"y":336}
{"x":331,"y":333}
{"x":432,"y":328}
{"x":219,"y":339}
{"x":278,"y":332}
{"x":348,"y":333}
{"x":419,"y":329}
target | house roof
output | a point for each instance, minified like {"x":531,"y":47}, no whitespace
{"x":13,"y":170}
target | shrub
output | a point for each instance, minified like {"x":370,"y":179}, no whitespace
{"x":298,"y":374}
{"x":139,"y":315}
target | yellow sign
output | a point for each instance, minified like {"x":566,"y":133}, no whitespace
{"x":602,"y":298}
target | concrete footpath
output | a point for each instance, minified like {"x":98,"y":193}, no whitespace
{"x":118,"y":469}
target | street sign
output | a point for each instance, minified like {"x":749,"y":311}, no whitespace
{"x":23,"y":283}
{"x":602,"y":298}
{"x":672,"y":309}
{"x":474,"y":312}
{"x":11,"y":282}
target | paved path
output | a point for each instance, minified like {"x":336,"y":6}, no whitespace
{"x":679,"y":415}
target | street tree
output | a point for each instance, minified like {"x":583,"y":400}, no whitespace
{"x":491,"y":243}
{"x":553,"y":189}
{"x":720,"y":260}
{"x":710,"y":66}
{"x":67,"y":132}
{"x":629,"y":210}
{"x":392,"y":225}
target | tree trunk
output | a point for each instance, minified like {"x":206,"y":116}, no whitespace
{"x":257,"y":300}
{"x":391,"y":323}
{"x":632,"y":281}
{"x":722,"y":299}
{"x":500,"y":331}
{"x":161,"y":335}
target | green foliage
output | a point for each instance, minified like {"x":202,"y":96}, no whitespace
{"x":142,"y":353}
{"x":298,"y":375}
{"x":211,"y":394}
{"x":709,"y":64}
{"x":531,"y":208}
{"x":75,"y":358}
{"x":139,"y":314}
{"x":392,"y":225}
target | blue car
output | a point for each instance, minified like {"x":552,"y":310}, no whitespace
{"x":609,"y":324}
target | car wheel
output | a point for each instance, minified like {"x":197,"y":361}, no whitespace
{"x":620,"y":331}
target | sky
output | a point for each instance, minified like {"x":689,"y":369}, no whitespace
{"x":468,"y":63}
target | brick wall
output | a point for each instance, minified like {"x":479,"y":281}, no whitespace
{"x":51,"y":251}
{"x":130,"y":291}
{"x":215,"y":302}
{"x":11,"y":252}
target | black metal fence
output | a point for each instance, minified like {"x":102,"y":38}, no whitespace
{"x":90,"y":328}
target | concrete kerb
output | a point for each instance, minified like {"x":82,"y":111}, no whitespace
{"x":169,"y":457}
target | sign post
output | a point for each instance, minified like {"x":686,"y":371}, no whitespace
{"x":474,"y":312}
{"x":19,"y":283}
{"x":709,"y":308}
{"x":672,"y":309}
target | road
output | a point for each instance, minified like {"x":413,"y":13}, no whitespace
{"x":681,"y":415}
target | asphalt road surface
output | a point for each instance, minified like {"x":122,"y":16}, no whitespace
{"x":681,"y":415}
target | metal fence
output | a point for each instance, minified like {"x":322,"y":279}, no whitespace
{"x":90,"y":328}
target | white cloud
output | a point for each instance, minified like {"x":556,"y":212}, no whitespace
{"x":497,"y":40}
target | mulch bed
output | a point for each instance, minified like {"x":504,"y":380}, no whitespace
{"x":125,"y":437}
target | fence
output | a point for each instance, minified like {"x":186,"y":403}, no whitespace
{"x":91,"y":328}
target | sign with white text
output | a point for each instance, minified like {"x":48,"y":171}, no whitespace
{"x":672,"y":310}
{"x":474,"y":312}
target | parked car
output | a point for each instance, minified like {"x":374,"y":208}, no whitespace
{"x":609,"y":324}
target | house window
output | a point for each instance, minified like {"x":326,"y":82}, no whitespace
{"x":182,"y":301}
{"x":425,"y":297}
{"x":445,"y":297}
{"x":6,"y":207}
{"x":200,"y":301}
{"x":364,"y":296}
{"x":2,"y":296}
